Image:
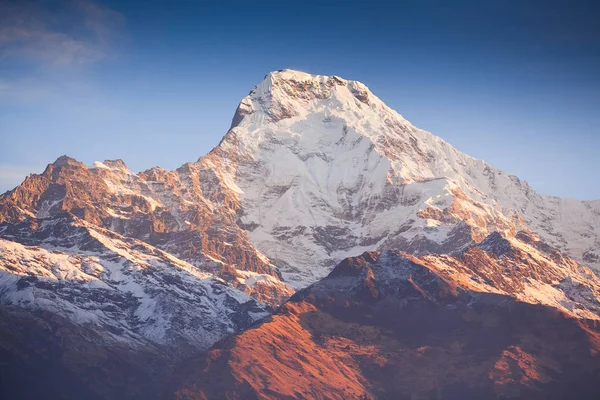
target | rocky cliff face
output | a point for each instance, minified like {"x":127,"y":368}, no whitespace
{"x":390,"y":325}
{"x":187,"y":213}
{"x":93,"y":276}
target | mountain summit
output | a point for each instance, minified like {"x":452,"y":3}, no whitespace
{"x":326,"y":170}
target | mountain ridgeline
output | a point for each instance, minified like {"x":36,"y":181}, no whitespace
{"x":326,"y":248}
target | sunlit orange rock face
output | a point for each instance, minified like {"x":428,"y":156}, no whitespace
{"x":188,"y":209}
{"x":189,"y":212}
{"x":392,"y":326}
{"x":279,"y":359}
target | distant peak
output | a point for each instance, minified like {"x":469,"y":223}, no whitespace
{"x":291,"y":75}
{"x":115,"y":164}
{"x":61,"y":162}
{"x":288,"y":93}
{"x":65,"y":160}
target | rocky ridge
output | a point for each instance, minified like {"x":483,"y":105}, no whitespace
{"x":389,"y":325}
{"x":185,"y":212}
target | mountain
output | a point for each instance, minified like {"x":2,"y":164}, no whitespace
{"x":88,"y":313}
{"x":111,"y":279}
{"x":328,"y":171}
{"x":187,"y":213}
{"x":314,"y":169}
{"x":390,"y":325}
{"x":91,"y":275}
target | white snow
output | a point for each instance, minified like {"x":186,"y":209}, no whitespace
{"x":250,"y":278}
{"x":128,"y":284}
{"x":323,"y":153}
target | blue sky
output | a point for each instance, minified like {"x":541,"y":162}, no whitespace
{"x":157,"y":82}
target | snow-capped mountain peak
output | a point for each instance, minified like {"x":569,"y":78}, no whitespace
{"x":322,"y":163}
{"x":315,"y":170}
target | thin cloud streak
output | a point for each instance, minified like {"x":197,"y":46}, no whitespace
{"x":80,"y":32}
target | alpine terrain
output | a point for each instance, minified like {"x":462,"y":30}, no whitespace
{"x":326,"y":248}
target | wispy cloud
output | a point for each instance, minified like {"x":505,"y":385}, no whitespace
{"x":73,"y":33}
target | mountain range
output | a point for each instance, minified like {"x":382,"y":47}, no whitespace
{"x":326,"y":248}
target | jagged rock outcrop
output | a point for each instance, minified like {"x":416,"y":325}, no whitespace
{"x":388,"y":325}
{"x":187,"y":213}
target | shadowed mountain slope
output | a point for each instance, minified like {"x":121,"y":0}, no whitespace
{"x":391,"y":326}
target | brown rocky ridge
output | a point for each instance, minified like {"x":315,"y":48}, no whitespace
{"x":188,"y":213}
{"x":388,"y":325}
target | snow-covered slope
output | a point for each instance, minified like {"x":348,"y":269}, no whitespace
{"x":125,"y":287}
{"x":326,"y":170}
